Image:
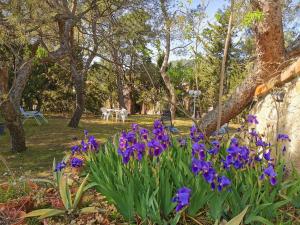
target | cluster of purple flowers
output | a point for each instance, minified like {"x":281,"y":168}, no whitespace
{"x":74,"y":162}
{"x":240,"y":156}
{"x":252,"y":119}
{"x":89,"y":143}
{"x":129,"y":146}
{"x":134,"y":142}
{"x":195,"y":134}
{"x":209,"y":174}
{"x":283,"y":138}
{"x":199,"y":163}
{"x":237,"y":156}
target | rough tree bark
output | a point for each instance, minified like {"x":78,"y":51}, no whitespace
{"x":120,"y":88}
{"x":164,"y":66}
{"x":79,"y":84}
{"x":270,"y":57}
{"x":66,"y":23}
{"x":120,"y":74}
{"x":223,"y":67}
{"x":10,"y":103}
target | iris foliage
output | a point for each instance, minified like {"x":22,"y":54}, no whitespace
{"x":157,"y":178}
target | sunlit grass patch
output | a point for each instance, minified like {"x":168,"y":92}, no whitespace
{"x":53,"y":139}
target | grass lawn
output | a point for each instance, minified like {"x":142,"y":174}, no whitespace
{"x":54,"y":139}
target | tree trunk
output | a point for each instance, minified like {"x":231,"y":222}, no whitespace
{"x":270,"y":56}
{"x":120,"y":87}
{"x":79,"y":84}
{"x":223,"y":67}
{"x":20,"y":82}
{"x":143,"y":110}
{"x":164,"y":66}
{"x":120,"y":81}
{"x":10,"y":103}
{"x":129,"y":102}
{"x":14,"y":125}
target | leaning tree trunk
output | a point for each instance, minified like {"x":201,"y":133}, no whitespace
{"x":14,"y":125}
{"x":223,"y":67}
{"x":10,"y":103}
{"x":270,"y":56}
{"x":79,"y":84}
{"x":164,"y":66}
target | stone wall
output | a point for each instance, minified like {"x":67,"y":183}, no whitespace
{"x":282,"y":117}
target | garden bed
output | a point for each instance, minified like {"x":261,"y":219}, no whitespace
{"x":143,"y":176}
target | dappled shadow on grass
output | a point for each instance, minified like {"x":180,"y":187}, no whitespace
{"x":55,"y":139}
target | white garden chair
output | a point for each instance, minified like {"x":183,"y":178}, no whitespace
{"x":123,"y":114}
{"x":105,"y":113}
{"x":38,"y":116}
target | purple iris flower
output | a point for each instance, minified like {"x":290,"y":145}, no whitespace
{"x":158,"y":124}
{"x":131,"y":137}
{"x":269,"y":171}
{"x":261,"y":143}
{"x":226,"y":164}
{"x":93,"y":143}
{"x":126,"y":154}
{"x":283,"y":137}
{"x":233,"y":150}
{"x":158,"y":133}
{"x":234,"y":142}
{"x":209,"y":175}
{"x":165,"y":141}
{"x":182,"y":198}
{"x":237,"y":164}
{"x":261,"y":177}
{"x":155,"y":147}
{"x":200,"y":166}
{"x":84,"y":146}
{"x":253,"y":133}
{"x":140,"y":149}
{"x":198,"y":149}
{"x":195,"y":134}
{"x":135,"y":127}
{"x":258,"y":158}
{"x":60,"y":166}
{"x":123,"y":141}
{"x":196,"y":166}
{"x":252,"y":119}
{"x":75,"y":149}
{"x":205,"y":166}
{"x":85,"y":133}
{"x":267,"y":155}
{"x":75,"y":162}
{"x":144,"y":133}
{"x":182,"y":142}
{"x":223,"y":182}
{"x":244,"y":153}
{"x":215,"y":149}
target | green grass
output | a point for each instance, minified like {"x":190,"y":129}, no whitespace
{"x":55,"y":138}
